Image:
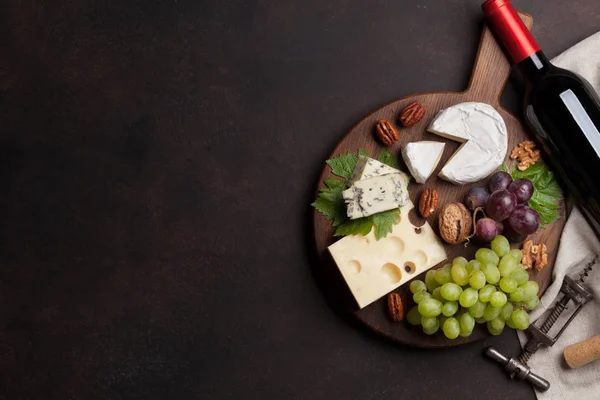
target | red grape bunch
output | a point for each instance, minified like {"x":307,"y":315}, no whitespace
{"x":506,"y":209}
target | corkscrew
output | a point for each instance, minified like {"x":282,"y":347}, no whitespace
{"x":572,"y":291}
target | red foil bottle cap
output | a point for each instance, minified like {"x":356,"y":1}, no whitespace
{"x":510,"y":29}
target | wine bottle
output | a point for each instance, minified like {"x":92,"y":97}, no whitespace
{"x":561,"y":108}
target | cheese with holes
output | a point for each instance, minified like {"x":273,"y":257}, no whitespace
{"x":373,"y":195}
{"x":373,"y":268}
{"x":422,"y":158}
{"x":483,"y":133}
{"x":367,"y":167}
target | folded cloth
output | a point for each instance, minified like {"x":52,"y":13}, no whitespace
{"x":578,"y":246}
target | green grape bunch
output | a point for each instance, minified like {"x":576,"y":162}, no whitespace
{"x":493,"y":289}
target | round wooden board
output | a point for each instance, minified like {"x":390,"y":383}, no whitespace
{"x":489,"y":77}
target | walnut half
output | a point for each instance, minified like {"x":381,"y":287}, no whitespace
{"x":534,"y":255}
{"x":525,"y":154}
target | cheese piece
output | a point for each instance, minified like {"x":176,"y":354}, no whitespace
{"x":422,"y":158}
{"x":380,"y":193}
{"x":482,"y":130}
{"x":373,"y":268}
{"x":367,"y":167}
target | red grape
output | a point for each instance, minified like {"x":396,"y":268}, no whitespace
{"x":522,"y":188}
{"x":499,"y":181}
{"x":486,"y":229}
{"x":476,"y":197}
{"x":500,"y":205}
{"x":524,"y":220}
{"x":513,"y":236}
{"x":500,"y":226}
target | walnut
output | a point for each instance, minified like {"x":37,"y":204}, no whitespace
{"x":525,"y":154}
{"x":534,"y":255}
{"x":455,"y":223}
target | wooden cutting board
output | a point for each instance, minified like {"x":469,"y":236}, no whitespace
{"x":490,"y":73}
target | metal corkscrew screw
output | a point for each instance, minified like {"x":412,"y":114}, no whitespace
{"x":572,"y":291}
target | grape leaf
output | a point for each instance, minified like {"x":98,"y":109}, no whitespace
{"x":384,"y":222}
{"x":360,"y":226}
{"x":363,"y":152}
{"x":343,"y":165}
{"x":388,"y":158}
{"x":330,"y":201}
{"x":547,"y":194}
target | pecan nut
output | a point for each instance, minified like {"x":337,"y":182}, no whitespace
{"x":386,"y":132}
{"x":455,"y":223}
{"x":428,"y":202}
{"x":395,"y":307}
{"x":412,"y":113}
{"x":534,"y":255}
{"x":526,"y":154}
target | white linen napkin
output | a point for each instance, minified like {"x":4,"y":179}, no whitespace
{"x":578,"y":246}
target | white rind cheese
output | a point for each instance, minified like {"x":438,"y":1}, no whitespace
{"x":373,"y":195}
{"x":482,"y":130}
{"x":373,"y":268}
{"x":367,"y":167}
{"x":422,"y":158}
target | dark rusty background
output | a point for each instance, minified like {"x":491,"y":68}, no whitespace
{"x":157,"y":159}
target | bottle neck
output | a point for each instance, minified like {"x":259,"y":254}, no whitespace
{"x":510,"y":30}
{"x":535,"y":66}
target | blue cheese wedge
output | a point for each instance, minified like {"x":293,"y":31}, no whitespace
{"x":483,"y":133}
{"x":373,"y":268}
{"x":422,"y":158}
{"x":373,"y":195}
{"x":367,"y":167}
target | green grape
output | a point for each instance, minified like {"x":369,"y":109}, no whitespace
{"x":430,"y":281}
{"x":495,"y":326}
{"x":467,"y":323}
{"x":413,"y":317}
{"x":451,"y":291}
{"x":507,"y":309}
{"x":437,"y":294}
{"x":459,"y":274}
{"x":520,"y":275}
{"x":430,"y":325}
{"x":443,"y":275}
{"x":477,"y":280}
{"x":430,"y":308}
{"x":473,"y":265}
{"x":516,"y":254}
{"x":477,"y":309}
{"x":468,"y":297}
{"x":498,"y":299}
{"x":451,"y":328}
{"x":530,"y":290}
{"x":480,"y":320}
{"x":417,"y":286}
{"x":533,"y":303}
{"x":520,"y":319}
{"x":517,"y":295}
{"x":500,"y":245}
{"x":450,"y":308}
{"x":507,"y":265}
{"x":460,"y":261}
{"x":420,"y":296}
{"x":508,"y":284}
{"x":510,"y":323}
{"x":492,"y":275}
{"x":487,"y":256}
{"x":490,"y":312}
{"x":486,"y":292}
{"x":518,"y":304}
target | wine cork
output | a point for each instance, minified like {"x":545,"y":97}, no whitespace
{"x":582,"y":353}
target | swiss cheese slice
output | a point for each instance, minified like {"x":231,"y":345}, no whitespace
{"x":373,"y":268}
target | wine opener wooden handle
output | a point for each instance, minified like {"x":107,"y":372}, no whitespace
{"x":582,"y":353}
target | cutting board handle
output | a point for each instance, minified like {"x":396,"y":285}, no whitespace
{"x":492,"y":67}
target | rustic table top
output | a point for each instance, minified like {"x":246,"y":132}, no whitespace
{"x":158,"y":159}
